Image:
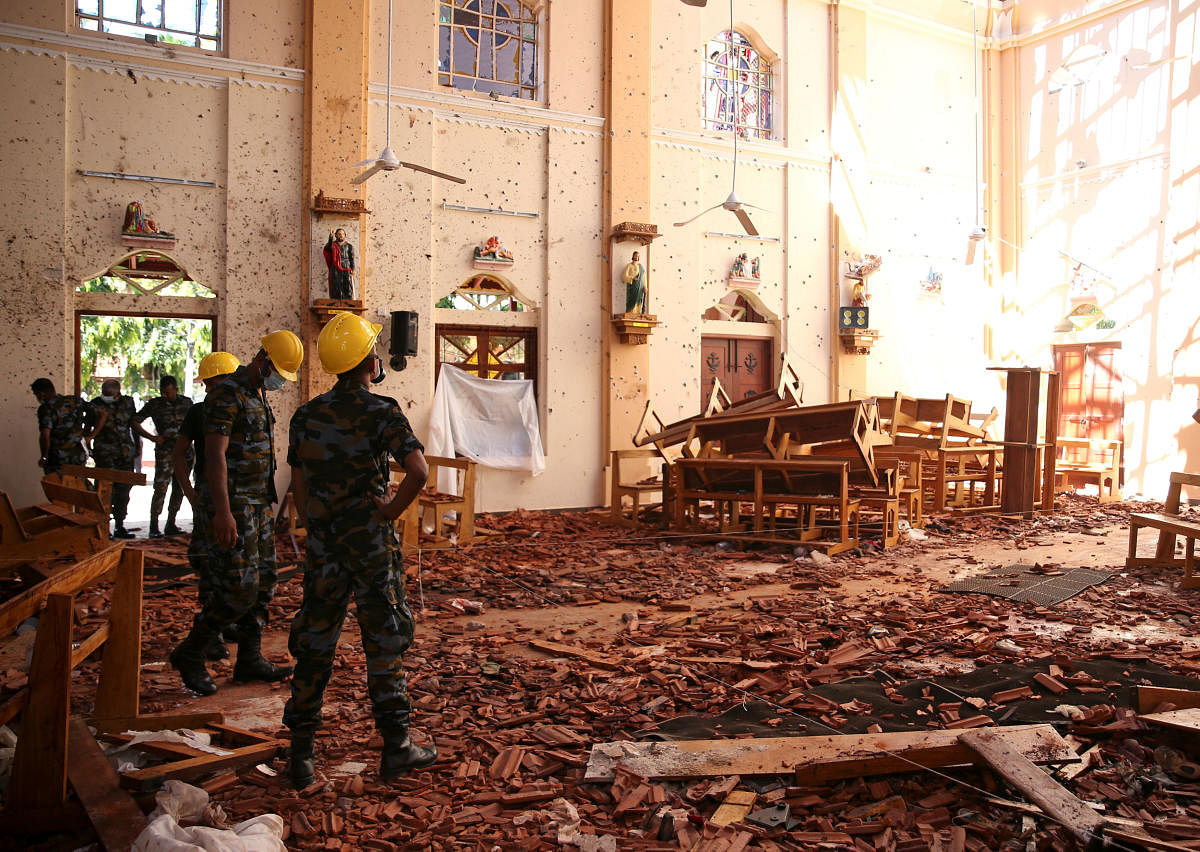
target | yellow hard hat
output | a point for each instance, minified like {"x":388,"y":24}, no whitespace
{"x":345,"y":341}
{"x":217,"y":364}
{"x":285,"y":351}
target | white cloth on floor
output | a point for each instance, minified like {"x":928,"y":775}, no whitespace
{"x":182,"y":803}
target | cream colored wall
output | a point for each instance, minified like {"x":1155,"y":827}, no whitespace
{"x":110,"y":104}
{"x":918,"y":115}
{"x":1109,"y":174}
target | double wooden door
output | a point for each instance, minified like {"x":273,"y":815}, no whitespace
{"x":1092,"y":396}
{"x":743,"y":365}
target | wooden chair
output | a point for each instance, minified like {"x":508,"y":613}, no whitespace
{"x":433,"y":505}
{"x":1101,"y":462}
{"x":1169,"y":525}
{"x":626,"y":485}
{"x":73,"y":523}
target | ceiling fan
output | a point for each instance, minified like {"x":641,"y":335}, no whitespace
{"x":387,"y":161}
{"x":733,"y":204}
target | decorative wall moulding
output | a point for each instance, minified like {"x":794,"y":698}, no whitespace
{"x":858,"y":341}
{"x":634,"y":328}
{"x":324,"y":204}
{"x":325,"y":309}
{"x":637,"y":232}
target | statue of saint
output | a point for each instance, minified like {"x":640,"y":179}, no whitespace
{"x":137,"y":225}
{"x":739,"y":266}
{"x":634,"y":277}
{"x":493,"y":250}
{"x":339,"y":257}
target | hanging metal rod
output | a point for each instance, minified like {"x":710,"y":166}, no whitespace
{"x":147,"y":178}
{"x":495,"y":210}
{"x":733,"y":236}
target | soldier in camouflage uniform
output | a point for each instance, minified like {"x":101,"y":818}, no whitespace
{"x":338,"y":448}
{"x":63,"y":423}
{"x":239,"y":450}
{"x":167,"y":413}
{"x":215,"y":368}
{"x":113,"y":445}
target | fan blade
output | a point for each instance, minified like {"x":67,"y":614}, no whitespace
{"x":360,"y":178}
{"x":365,"y":163}
{"x":433,"y":172}
{"x":697,"y":216}
{"x":744,"y":218}
{"x":971,"y":250}
{"x":755,"y":207}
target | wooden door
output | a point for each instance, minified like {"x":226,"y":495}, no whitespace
{"x":743,"y":365}
{"x":1091,"y":397}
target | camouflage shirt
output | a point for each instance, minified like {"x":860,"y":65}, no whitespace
{"x":341,"y":441}
{"x":167,"y":417}
{"x":65,"y":417}
{"x":240,"y":412}
{"x":115,"y":441}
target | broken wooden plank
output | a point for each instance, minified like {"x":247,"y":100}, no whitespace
{"x":113,"y":812}
{"x":1150,"y":697}
{"x":1176,"y":720}
{"x":196,"y":767}
{"x":1022,"y":773}
{"x":68,"y":581}
{"x":559,"y":650}
{"x":735,"y":807}
{"x":156,"y":722}
{"x":816,"y":759}
{"x":1144,"y":841}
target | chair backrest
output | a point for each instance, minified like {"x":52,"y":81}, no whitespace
{"x":1174,"y":492}
{"x":10,"y":522}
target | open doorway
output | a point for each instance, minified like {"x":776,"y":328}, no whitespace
{"x":139,"y":349}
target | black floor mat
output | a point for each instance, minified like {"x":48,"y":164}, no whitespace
{"x":1022,"y":583}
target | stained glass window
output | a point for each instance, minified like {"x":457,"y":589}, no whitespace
{"x":195,"y":23}
{"x":488,"y":46}
{"x":737,"y":87}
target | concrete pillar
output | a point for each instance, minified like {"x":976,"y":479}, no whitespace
{"x":848,"y":176}
{"x":627,"y":180}
{"x":335,"y":123}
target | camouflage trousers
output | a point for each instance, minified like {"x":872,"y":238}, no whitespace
{"x":116,"y":460}
{"x":198,"y":546}
{"x":164,"y":479}
{"x":71,"y":454}
{"x":242,"y":579}
{"x":384,"y":620}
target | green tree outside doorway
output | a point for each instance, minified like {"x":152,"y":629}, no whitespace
{"x":139,"y":351}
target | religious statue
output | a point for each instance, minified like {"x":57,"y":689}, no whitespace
{"x":492,"y":250}
{"x":858,"y":271}
{"x":859,"y":296}
{"x":634,"y":276}
{"x":339,"y":257}
{"x":754,"y":268}
{"x":739,"y":266}
{"x":137,"y":225}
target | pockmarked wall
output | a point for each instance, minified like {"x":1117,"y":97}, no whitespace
{"x":109,"y":104}
{"x":1110,"y":205}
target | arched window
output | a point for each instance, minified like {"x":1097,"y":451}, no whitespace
{"x":488,"y":46}
{"x":737,"y":87}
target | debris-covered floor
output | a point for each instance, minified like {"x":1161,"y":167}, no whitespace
{"x":562,"y":632}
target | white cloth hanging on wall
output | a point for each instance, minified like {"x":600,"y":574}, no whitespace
{"x":492,"y":422}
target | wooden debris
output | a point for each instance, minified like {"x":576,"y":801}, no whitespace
{"x":815,"y":759}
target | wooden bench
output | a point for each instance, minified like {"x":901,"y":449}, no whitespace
{"x":1096,"y":459}
{"x":73,"y":523}
{"x":826,"y":514}
{"x":431,"y":506}
{"x":908,"y":464}
{"x":1169,"y":525}
{"x":623,"y":485}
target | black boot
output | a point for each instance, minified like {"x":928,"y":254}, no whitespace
{"x":252,"y":665}
{"x":154,"y":533}
{"x":119,"y":531}
{"x":301,"y":765}
{"x":216,"y":649}
{"x":401,"y":756}
{"x":188,"y":659}
{"x":170,"y":528}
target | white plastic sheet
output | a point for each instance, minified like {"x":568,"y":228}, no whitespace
{"x":490,"y":421}
{"x":182,"y":803}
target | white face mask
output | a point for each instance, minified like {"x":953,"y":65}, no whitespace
{"x":274,"y":381}
{"x":108,"y":397}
